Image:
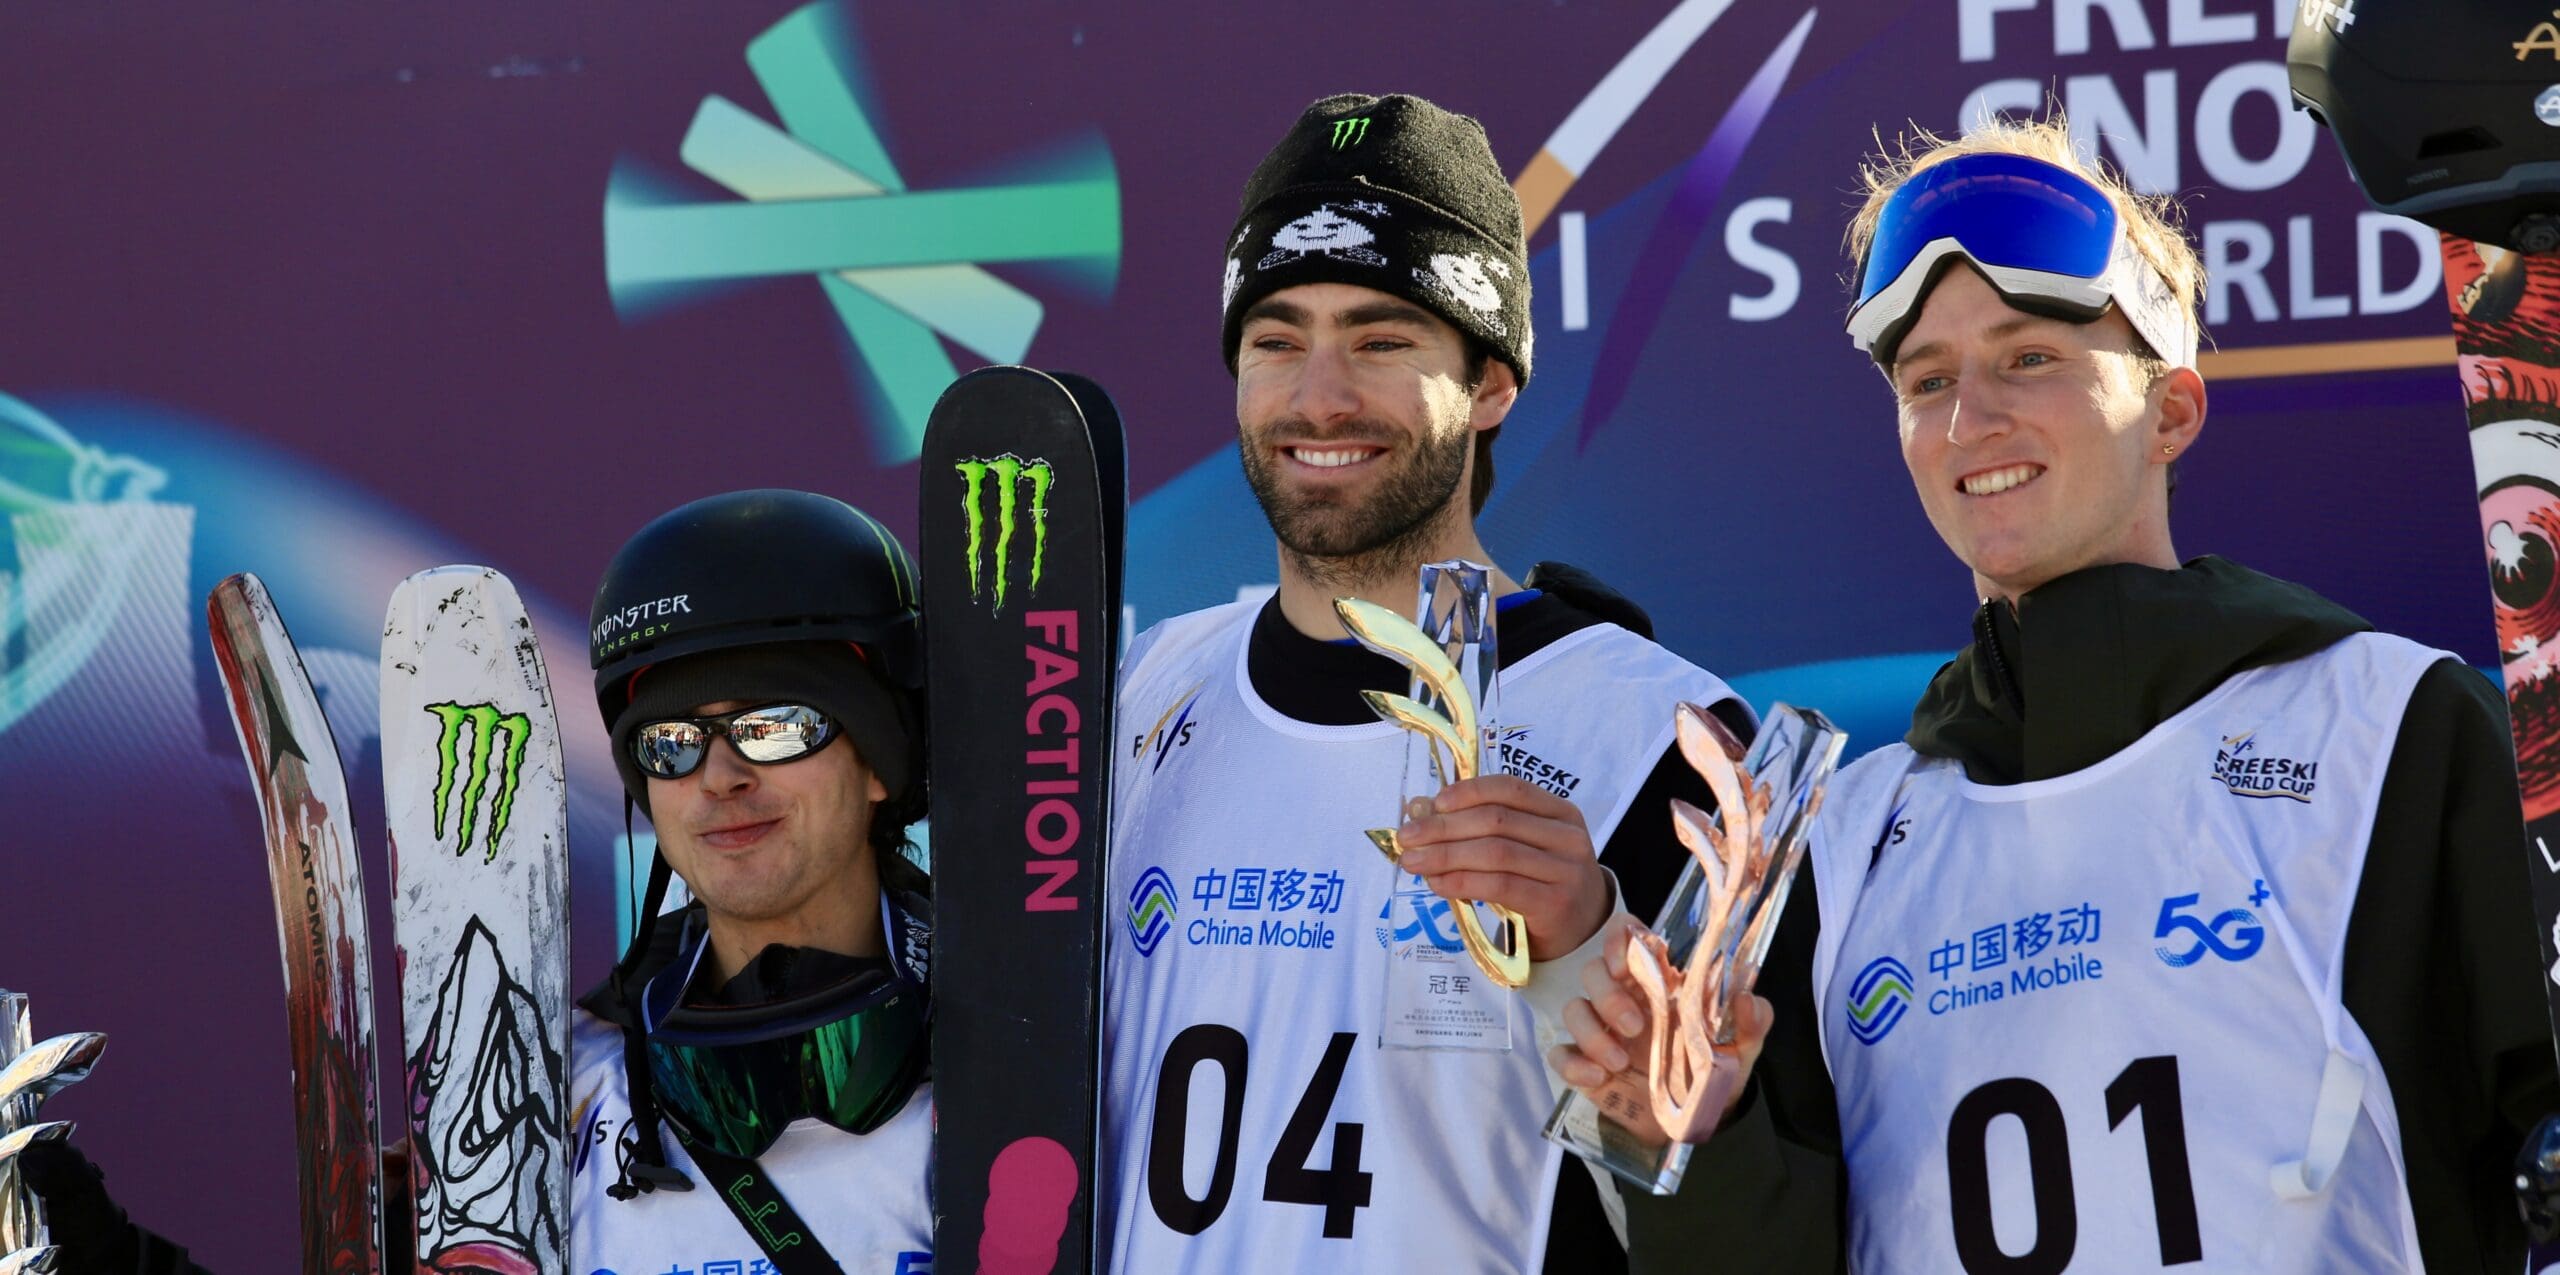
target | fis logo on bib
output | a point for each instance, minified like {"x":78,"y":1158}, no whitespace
{"x":1020,"y":494}
{"x":2249,"y":771}
{"x":1878,"y":998}
{"x":1152,"y":910}
{"x":471,"y":760}
{"x":1171,"y":731}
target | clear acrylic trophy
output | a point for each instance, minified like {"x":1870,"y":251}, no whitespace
{"x":1450,"y":966}
{"x":1705,"y":950}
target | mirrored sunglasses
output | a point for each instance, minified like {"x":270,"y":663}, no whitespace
{"x":673,"y":747}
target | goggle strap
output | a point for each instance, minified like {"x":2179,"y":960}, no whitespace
{"x":2149,"y":309}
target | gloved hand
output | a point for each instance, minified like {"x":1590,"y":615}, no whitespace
{"x":92,"y":1233}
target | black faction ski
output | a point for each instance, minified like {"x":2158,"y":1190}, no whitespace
{"x":1023,"y":506}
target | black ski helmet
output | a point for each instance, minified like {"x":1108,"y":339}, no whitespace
{"x":2447,"y":111}
{"x":750,"y":568}
{"x":753,"y":567}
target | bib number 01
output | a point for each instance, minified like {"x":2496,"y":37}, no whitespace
{"x":1341,"y":1189}
{"x":2148,"y":1085}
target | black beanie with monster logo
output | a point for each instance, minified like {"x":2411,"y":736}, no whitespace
{"x":1391,"y":193}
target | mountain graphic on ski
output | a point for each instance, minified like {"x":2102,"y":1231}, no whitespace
{"x":1024,"y":502}
{"x":475,"y":792}
{"x":319,"y":890}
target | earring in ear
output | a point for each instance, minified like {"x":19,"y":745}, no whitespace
{"x":2168,"y":449}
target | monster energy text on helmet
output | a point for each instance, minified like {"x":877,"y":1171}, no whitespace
{"x":2448,"y":111}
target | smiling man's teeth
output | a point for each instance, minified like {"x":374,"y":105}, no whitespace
{"x":1329,"y":459}
{"x":2000,"y":480}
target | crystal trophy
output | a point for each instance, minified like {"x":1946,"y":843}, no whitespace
{"x":29,"y":1074}
{"x":1704,"y":952}
{"x":1449,"y":964}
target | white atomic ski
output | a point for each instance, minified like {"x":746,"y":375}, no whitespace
{"x":319,"y":886}
{"x":476,"y":796}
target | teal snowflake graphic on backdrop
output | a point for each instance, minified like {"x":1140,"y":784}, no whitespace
{"x":902,"y":268}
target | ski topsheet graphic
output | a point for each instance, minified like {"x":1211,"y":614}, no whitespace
{"x":477,"y":801}
{"x":2506,"y":328}
{"x":319,"y":886}
{"x":1023,"y":495}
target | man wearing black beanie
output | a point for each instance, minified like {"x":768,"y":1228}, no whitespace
{"x":1375,"y":314}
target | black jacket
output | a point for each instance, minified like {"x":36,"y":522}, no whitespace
{"x":2442,"y":971}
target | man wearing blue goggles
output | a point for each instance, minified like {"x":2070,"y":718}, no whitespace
{"x":2185,"y":927}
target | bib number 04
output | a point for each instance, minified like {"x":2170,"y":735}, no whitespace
{"x":1341,"y":1189}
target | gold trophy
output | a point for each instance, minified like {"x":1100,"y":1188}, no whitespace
{"x":1456,"y":733}
{"x":1704,"y":952}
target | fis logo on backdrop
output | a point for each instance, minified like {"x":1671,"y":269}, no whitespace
{"x":1020,"y":496}
{"x":1152,"y":910}
{"x":468,"y":741}
{"x":819,"y":197}
{"x":2233,"y":934}
{"x":1878,"y":998}
{"x":2249,"y":771}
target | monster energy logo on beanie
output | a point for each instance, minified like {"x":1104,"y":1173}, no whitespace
{"x":1391,"y":193}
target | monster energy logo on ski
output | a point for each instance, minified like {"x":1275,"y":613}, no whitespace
{"x":1350,"y":132}
{"x":1011,"y":474}
{"x":486,"y":723}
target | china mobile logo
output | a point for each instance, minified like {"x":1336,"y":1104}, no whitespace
{"x":1151,"y":910}
{"x":820,"y":197}
{"x":1878,"y":998}
{"x":466,"y":746}
{"x":1021,"y":492}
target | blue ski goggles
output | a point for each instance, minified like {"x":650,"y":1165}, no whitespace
{"x":2048,"y":239}
{"x":734,"y":1077}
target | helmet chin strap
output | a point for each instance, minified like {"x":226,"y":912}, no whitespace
{"x":648,"y":1170}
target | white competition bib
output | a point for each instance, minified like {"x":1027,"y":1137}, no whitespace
{"x":1251,"y":1122}
{"x":863,"y":1196}
{"x":2093,"y":1023}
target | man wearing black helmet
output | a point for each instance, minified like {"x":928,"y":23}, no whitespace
{"x":757,"y":1059}
{"x":764,"y":1047}
{"x":1376,"y":316}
